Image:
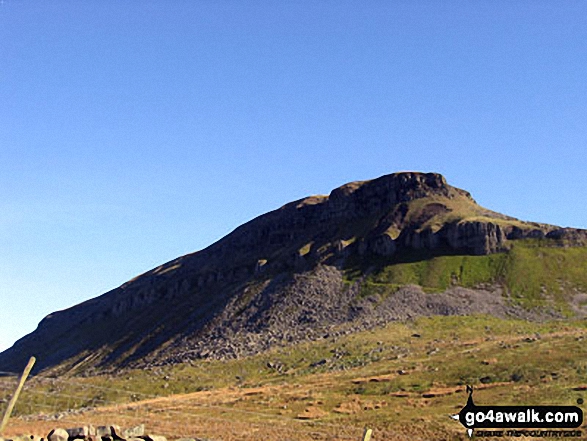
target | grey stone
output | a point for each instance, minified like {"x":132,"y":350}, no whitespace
{"x":102,"y":431}
{"x":134,"y":432}
{"x":58,"y":435}
{"x":117,"y":432}
{"x":81,"y":432}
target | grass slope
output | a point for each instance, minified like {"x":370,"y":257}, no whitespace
{"x":533,"y":273}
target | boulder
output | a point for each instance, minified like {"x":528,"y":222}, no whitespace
{"x":58,"y":435}
{"x":81,"y":432}
{"x":117,"y":433}
{"x":134,"y":432}
{"x":102,"y":431}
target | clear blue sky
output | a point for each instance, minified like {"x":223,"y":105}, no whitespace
{"x":135,"y":132}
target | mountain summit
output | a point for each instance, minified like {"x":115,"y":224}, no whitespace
{"x":311,"y":269}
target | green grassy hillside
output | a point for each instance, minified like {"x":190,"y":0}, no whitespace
{"x":532,"y":273}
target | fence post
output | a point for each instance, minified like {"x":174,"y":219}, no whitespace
{"x":367,"y":434}
{"x":23,"y":377}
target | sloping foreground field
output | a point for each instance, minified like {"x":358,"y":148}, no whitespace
{"x":403,"y":381}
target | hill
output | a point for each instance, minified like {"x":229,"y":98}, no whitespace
{"x":396,"y":247}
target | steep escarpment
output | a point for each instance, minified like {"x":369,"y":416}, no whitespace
{"x":282,"y":277}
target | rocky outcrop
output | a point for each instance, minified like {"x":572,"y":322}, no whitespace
{"x":466,"y":237}
{"x":475,"y":237}
{"x":571,"y":236}
{"x":382,"y":245}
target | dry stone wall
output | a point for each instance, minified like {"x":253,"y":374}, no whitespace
{"x":98,"y":433}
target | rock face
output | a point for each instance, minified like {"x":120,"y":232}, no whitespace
{"x":246,"y":287}
{"x":469,"y":237}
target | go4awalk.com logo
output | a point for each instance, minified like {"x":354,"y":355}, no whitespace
{"x":519,"y":421}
